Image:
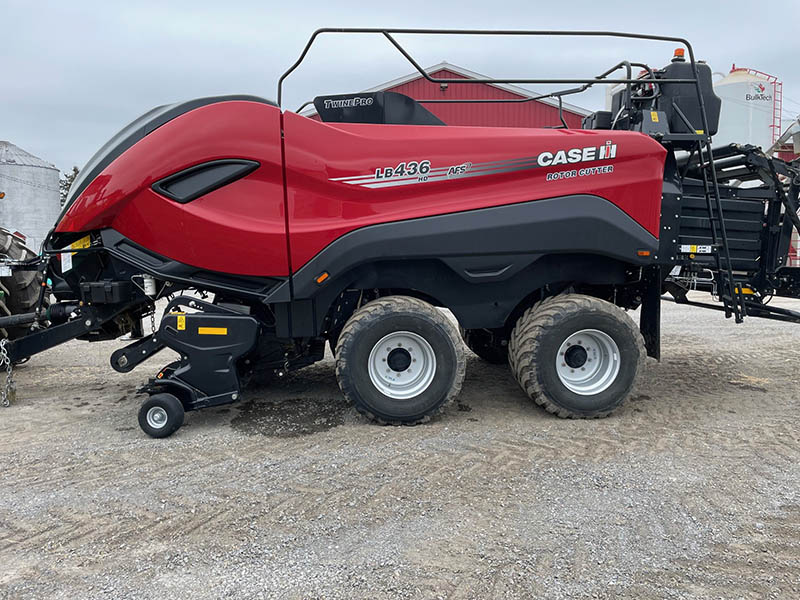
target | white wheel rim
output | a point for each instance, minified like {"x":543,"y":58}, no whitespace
{"x":157,"y":417}
{"x":402,"y":365}
{"x":588,"y":362}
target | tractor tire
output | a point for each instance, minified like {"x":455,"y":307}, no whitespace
{"x":399,"y":361}
{"x":486,"y":344}
{"x":576,"y":356}
{"x":20,"y":291}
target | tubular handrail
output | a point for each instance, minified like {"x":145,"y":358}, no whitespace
{"x":387,"y":33}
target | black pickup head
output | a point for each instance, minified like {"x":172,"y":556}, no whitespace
{"x":389,"y":108}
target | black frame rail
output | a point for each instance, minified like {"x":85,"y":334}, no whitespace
{"x":732,"y":298}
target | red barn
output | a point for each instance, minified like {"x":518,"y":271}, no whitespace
{"x":536,"y":113}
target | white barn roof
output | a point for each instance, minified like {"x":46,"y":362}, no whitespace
{"x":11,"y":154}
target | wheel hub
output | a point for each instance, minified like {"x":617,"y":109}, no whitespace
{"x":399,"y":360}
{"x":157,"y":417}
{"x":402,"y":365}
{"x":588,"y":362}
{"x":575,"y":356}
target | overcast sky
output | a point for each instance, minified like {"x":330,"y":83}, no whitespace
{"x":73,"y":73}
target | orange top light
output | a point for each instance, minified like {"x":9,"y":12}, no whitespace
{"x":679,"y":53}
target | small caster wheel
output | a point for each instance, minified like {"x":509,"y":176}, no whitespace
{"x":161,"y":415}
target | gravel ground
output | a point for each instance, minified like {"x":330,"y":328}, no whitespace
{"x":689,"y":491}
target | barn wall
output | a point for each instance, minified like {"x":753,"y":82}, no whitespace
{"x":495,"y":114}
{"x":524,"y":114}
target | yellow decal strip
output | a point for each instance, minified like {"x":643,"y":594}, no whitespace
{"x":212,"y":330}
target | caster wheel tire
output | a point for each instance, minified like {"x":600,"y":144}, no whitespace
{"x":399,"y":360}
{"x":576,"y":356}
{"x":161,"y":415}
{"x":487,"y":344}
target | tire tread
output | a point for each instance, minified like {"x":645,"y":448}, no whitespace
{"x":383,"y":307}
{"x":535,"y":321}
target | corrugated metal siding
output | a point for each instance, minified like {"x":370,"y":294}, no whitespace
{"x":501,"y":114}
{"x":523,"y":114}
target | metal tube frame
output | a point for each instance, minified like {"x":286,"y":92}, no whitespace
{"x":388,"y":34}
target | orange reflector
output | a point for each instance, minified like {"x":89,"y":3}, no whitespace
{"x":2,"y":195}
{"x":322,"y":277}
{"x":643,"y":252}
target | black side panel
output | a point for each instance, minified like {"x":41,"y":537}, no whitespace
{"x":488,"y":243}
{"x":481,"y":264}
{"x":388,"y":108}
{"x":211,"y":344}
{"x":138,"y":129}
{"x":744,"y":217}
{"x":196,"y":181}
{"x":146,"y":261}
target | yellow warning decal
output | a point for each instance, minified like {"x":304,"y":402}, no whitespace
{"x":699,"y":131}
{"x":654,"y":116}
{"x":84,"y":242}
{"x":212,"y":330}
{"x":181,"y":322}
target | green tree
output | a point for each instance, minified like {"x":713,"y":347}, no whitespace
{"x":65,"y":182}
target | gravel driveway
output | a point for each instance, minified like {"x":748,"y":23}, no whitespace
{"x":690,"y":490}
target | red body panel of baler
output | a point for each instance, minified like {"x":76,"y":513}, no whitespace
{"x":335,"y":182}
{"x":323,"y":206}
{"x":239,"y":228}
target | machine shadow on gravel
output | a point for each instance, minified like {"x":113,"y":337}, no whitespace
{"x":290,"y":418}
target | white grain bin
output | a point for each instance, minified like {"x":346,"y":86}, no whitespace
{"x":748,"y":113}
{"x":29,"y":188}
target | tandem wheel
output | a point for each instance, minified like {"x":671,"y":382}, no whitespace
{"x":161,"y":415}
